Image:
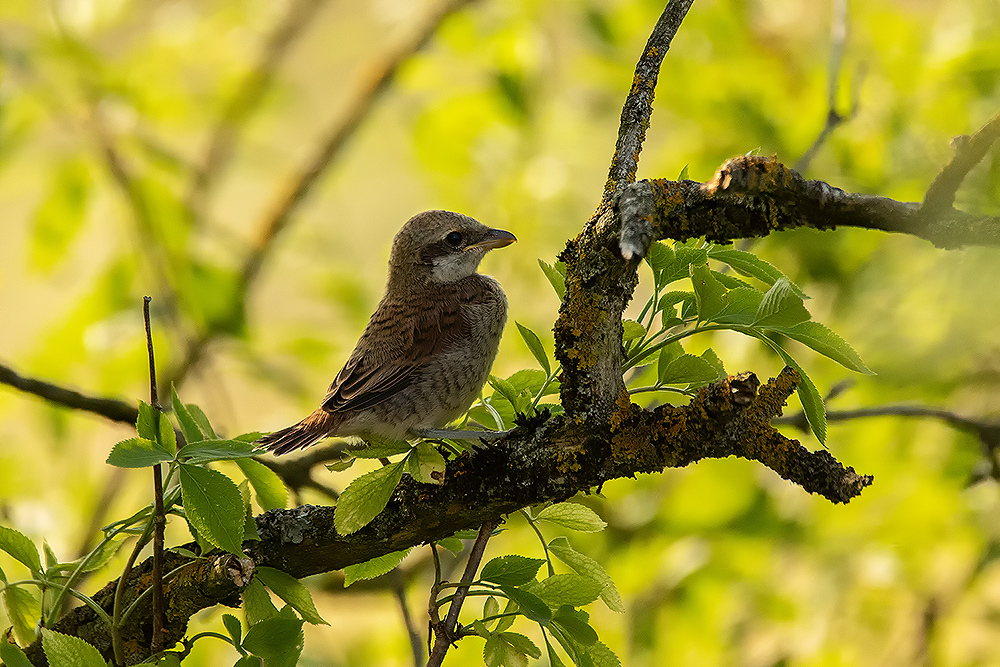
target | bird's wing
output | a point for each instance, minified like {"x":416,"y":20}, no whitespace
{"x":399,"y":340}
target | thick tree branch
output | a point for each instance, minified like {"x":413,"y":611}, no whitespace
{"x":755,"y":196}
{"x":543,"y":460}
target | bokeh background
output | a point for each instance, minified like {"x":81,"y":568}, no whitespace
{"x":107,"y":112}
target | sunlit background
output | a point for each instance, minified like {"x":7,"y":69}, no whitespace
{"x":107,"y":110}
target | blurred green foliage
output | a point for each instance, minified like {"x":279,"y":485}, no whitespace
{"x":509,"y":115}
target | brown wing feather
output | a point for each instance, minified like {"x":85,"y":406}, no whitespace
{"x":399,"y":340}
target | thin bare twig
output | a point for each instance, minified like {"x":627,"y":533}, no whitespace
{"x":298,"y":186}
{"x":247,"y":99}
{"x":444,"y":633}
{"x":969,"y":151}
{"x":159,"y":518}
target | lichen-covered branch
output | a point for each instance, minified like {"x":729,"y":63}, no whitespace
{"x":755,"y":196}
{"x":543,"y":460}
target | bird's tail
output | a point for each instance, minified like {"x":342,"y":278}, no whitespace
{"x":307,"y":432}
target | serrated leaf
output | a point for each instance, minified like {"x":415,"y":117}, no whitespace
{"x":528,"y":604}
{"x":491,"y":607}
{"x":22,"y":611}
{"x":382,"y":449}
{"x":201,"y":420}
{"x":248,"y":661}
{"x":781,"y":307}
{"x":729,"y":281}
{"x":711,"y":357}
{"x":452,"y":544}
{"x":365,"y":498}
{"x":167,"y":438}
{"x":233,"y":627}
{"x":278,"y":640}
{"x":632,"y":330}
{"x":662,"y":261}
{"x":688,"y":369}
{"x":530,"y":380}
{"x":257,"y":603}
{"x":573,"y":516}
{"x":11,"y":655}
{"x":509,"y":615}
{"x":375,"y":567}
{"x":602,"y":656}
{"x":556,"y":277}
{"x":512,"y":570}
{"x":189,"y":427}
{"x":667,"y":354}
{"x":292,"y":591}
{"x":267,"y":486}
{"x":137,"y":453}
{"x":213,"y":505}
{"x":570,"y":588}
{"x":588,"y":567}
{"x":146,"y":424}
{"x":505,"y":389}
{"x":809,"y":396}
{"x":521,"y":644}
{"x":576,"y":624}
{"x":751,"y":265}
{"x":499,"y":653}
{"x":535,"y":345}
{"x":20,"y":548}
{"x":426,"y":464}
{"x":66,"y":651}
{"x":205,"y":451}
{"x":342,"y":464}
{"x":827,"y":343}
{"x":741,"y":307}
{"x":708,"y":292}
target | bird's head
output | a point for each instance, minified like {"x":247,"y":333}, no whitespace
{"x":441,"y":247}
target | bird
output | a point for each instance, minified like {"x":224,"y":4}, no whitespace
{"x":428,"y":348}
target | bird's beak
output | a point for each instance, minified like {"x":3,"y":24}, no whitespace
{"x":495,"y":238}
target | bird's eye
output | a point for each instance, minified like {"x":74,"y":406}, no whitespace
{"x":454,"y":239}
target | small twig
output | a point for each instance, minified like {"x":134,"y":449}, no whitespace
{"x":119,"y":601}
{"x":445,"y":633}
{"x":159,"y":519}
{"x":969,"y":151}
{"x":398,"y":585}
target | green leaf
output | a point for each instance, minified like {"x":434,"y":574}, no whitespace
{"x":257,"y":603}
{"x":661,"y":260}
{"x":137,"y":453}
{"x":557,"y":276}
{"x":827,"y":343}
{"x":375,"y":567}
{"x":383,"y":449}
{"x":667,"y":354}
{"x":452,"y":544}
{"x":267,"y":486}
{"x":66,"y":651}
{"x":201,"y":420}
{"x":292,"y":591}
{"x":683,"y":176}
{"x":233,"y":627}
{"x":22,"y":611}
{"x":688,"y":369}
{"x":741,"y":306}
{"x":528,"y":604}
{"x":711,"y":357}
{"x":601,"y":656}
{"x":21,"y":548}
{"x":491,"y":607}
{"x":505,"y":389}
{"x":500,"y":652}
{"x":781,"y":307}
{"x":729,"y":281}
{"x":248,"y":661}
{"x":60,"y":215}
{"x":530,"y":380}
{"x":708,"y":292}
{"x":205,"y":451}
{"x":751,"y":265}
{"x":573,"y":516}
{"x":426,"y":464}
{"x":588,"y":567}
{"x":146,"y":425}
{"x":213,"y":505}
{"x":571,"y":588}
{"x":511,"y":570}
{"x":507,"y":620}
{"x":167,"y":438}
{"x":632,"y":330}
{"x":189,"y":427}
{"x":365,"y":498}
{"x":11,"y":655}
{"x":535,"y":345}
{"x":576,"y":624}
{"x":278,"y":640}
